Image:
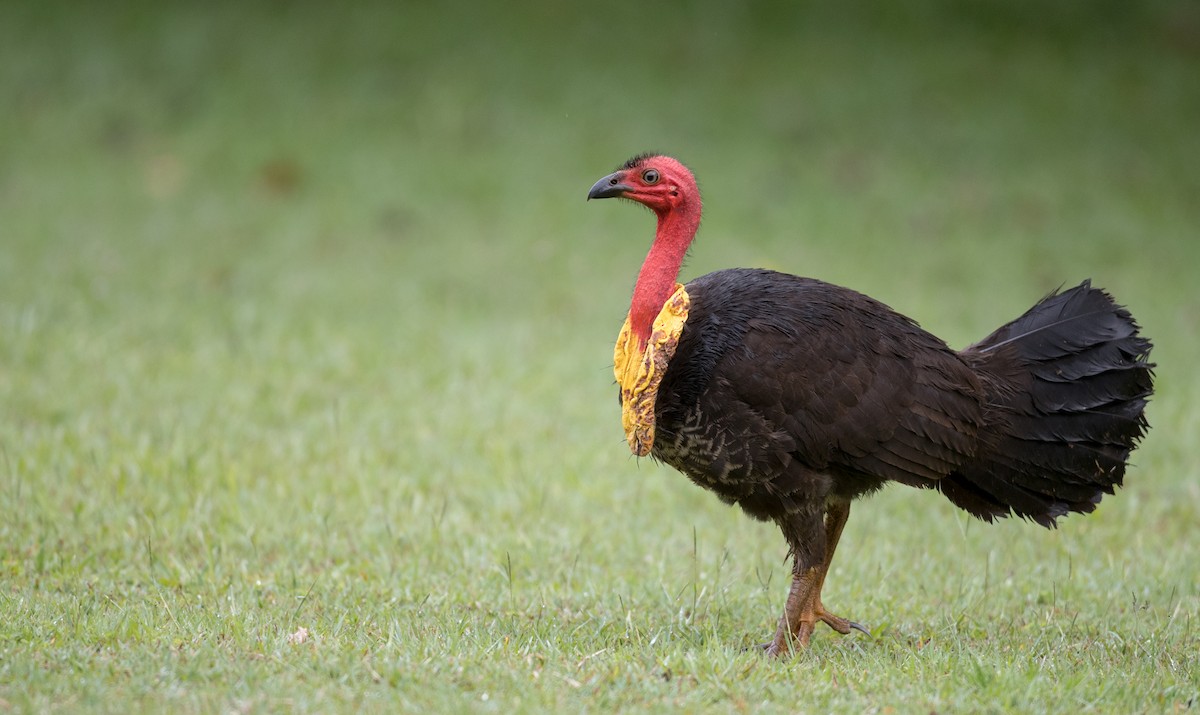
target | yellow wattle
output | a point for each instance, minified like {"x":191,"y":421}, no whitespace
{"x":640,"y":370}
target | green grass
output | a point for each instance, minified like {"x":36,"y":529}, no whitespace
{"x":304,"y":324}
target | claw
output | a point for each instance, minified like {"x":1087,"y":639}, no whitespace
{"x":837,"y":623}
{"x":776,"y":649}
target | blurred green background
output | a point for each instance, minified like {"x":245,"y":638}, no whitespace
{"x":304,"y":322}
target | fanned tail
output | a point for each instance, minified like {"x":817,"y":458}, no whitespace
{"x":1067,"y":383}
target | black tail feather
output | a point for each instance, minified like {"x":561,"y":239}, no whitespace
{"x":1078,"y":462}
{"x":1089,"y":392}
{"x":1097,"y":360}
{"x":1068,"y":384}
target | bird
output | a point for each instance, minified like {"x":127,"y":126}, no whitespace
{"x":792,"y":397}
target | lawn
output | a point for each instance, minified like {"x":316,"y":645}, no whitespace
{"x":306,"y":399}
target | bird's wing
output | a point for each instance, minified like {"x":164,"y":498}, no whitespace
{"x":858,"y":388}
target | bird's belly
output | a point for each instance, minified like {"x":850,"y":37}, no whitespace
{"x":702,"y":450}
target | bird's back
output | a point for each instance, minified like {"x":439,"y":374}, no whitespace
{"x":786,"y":390}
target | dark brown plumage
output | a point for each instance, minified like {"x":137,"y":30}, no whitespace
{"x":791,"y":397}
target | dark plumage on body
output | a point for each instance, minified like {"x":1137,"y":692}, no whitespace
{"x":791,"y":397}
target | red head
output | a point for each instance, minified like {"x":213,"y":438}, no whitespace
{"x":667,"y":187}
{"x":659,"y":182}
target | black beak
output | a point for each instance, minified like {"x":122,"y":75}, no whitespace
{"x":609,"y":187}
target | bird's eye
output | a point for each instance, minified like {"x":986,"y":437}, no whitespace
{"x":650,"y":176}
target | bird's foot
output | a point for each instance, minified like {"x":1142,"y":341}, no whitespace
{"x":796,"y":635}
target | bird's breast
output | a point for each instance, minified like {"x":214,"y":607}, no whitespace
{"x":639,"y":369}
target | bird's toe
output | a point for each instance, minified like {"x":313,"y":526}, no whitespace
{"x":839,"y":624}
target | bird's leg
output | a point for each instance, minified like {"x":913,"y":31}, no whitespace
{"x":804,"y":607}
{"x":836,"y":514}
{"x":792,"y":626}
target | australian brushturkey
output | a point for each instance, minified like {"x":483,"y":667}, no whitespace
{"x":791,"y":397}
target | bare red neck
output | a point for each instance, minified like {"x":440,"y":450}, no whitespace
{"x":656,"y":281}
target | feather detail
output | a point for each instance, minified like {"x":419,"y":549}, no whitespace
{"x":1070,"y":382}
{"x":1061,"y":323}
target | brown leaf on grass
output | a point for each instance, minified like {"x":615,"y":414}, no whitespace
{"x":280,"y":176}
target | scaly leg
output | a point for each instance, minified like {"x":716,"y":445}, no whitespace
{"x":804,"y":607}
